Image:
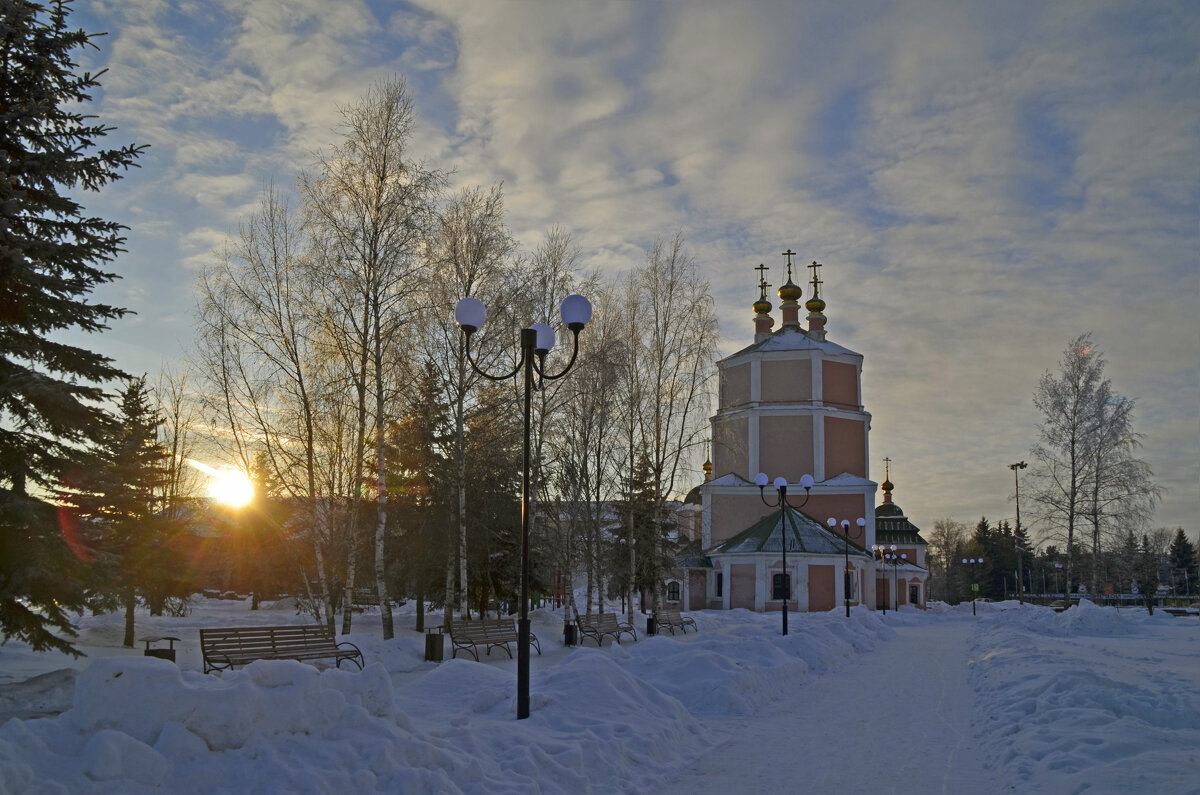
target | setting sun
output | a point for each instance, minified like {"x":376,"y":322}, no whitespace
{"x":230,"y":487}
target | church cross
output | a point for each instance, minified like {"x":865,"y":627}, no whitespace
{"x":762,"y":279}
{"x":789,"y":254}
{"x":886,"y":461}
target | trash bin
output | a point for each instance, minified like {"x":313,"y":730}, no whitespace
{"x":434,"y":644}
{"x":651,"y":625}
{"x":569,"y":635}
{"x":162,"y":654}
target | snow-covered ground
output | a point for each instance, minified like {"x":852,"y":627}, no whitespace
{"x":1016,"y":699}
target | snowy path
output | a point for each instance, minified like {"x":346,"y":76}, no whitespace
{"x":910,"y":703}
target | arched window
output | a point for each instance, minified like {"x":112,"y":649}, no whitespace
{"x":672,"y":591}
{"x":781,"y":586}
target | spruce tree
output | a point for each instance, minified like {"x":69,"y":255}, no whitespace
{"x":1183,"y":562}
{"x":118,"y":507}
{"x":52,"y":256}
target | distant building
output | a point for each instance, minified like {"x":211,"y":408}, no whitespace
{"x":790,"y":404}
{"x":906,"y":583}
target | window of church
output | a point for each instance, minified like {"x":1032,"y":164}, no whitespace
{"x":672,"y":591}
{"x":720,"y":583}
{"x":781,"y":586}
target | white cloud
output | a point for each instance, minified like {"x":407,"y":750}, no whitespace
{"x":983,"y":181}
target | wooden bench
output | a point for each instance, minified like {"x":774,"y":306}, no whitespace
{"x":369,"y":597}
{"x":226,"y":647}
{"x":365,"y":597}
{"x":670,"y":619}
{"x":488,"y":633}
{"x":597,"y":625}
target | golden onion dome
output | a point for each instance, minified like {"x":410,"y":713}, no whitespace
{"x":790,"y":292}
{"x":815,"y":304}
{"x":762,"y":307}
{"x":887,"y":486}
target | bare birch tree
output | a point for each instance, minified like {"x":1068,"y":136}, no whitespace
{"x":1084,"y":468}
{"x":674,"y":349}
{"x":586,"y":451}
{"x":1121,"y":493}
{"x":258,"y":358}
{"x":469,"y":250}
{"x":369,"y":205}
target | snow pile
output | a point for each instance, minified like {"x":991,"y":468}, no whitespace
{"x":1057,"y":703}
{"x":1090,"y":695}
{"x":601,"y":718}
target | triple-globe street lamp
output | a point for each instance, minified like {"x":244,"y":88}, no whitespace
{"x":806,"y":483}
{"x":536,"y":342}
{"x":888,"y":555}
{"x":862,"y":525}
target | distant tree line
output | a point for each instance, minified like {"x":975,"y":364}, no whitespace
{"x":1133,"y":564}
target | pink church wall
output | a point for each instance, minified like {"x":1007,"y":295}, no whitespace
{"x":730,"y":452}
{"x":733,"y":513}
{"x":839,"y":506}
{"x":788,"y":381}
{"x":741,"y":585}
{"x":840,"y":385}
{"x":697,"y":584}
{"x":735,"y":386}
{"x":845,"y":447}
{"x":821,"y":592}
{"x":785,"y":446}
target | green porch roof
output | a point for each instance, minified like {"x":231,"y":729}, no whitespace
{"x":805,"y":536}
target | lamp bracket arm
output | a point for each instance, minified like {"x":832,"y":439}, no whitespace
{"x":807,"y":494}
{"x":538,"y":368}
{"x":488,"y":375}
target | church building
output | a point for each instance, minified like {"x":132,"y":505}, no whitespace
{"x":790,"y":405}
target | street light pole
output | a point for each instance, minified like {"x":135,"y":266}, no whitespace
{"x":862,"y":524}
{"x":888,"y":555}
{"x":1020,"y":539}
{"x":536,"y":342}
{"x":806,"y":483}
{"x":974,"y":584}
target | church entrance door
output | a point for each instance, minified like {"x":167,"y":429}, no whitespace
{"x":821,"y":593}
{"x":741,"y":585}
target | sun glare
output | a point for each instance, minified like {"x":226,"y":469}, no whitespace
{"x":229,"y":487}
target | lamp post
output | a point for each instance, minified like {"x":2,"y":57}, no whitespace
{"x":1020,"y":539}
{"x":806,"y":483}
{"x":974,"y":584}
{"x":878,"y":551}
{"x":862,"y":524}
{"x":536,"y":342}
{"x":888,"y":555}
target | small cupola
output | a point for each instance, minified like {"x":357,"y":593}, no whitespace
{"x":816,"y":306}
{"x":789,"y":296}
{"x":762,"y":308}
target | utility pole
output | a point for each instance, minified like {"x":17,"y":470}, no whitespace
{"x":1018,"y":537}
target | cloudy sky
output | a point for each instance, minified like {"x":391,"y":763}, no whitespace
{"x":982,"y":181}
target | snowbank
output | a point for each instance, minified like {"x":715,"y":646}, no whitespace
{"x":1064,"y":701}
{"x":1092,"y":698}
